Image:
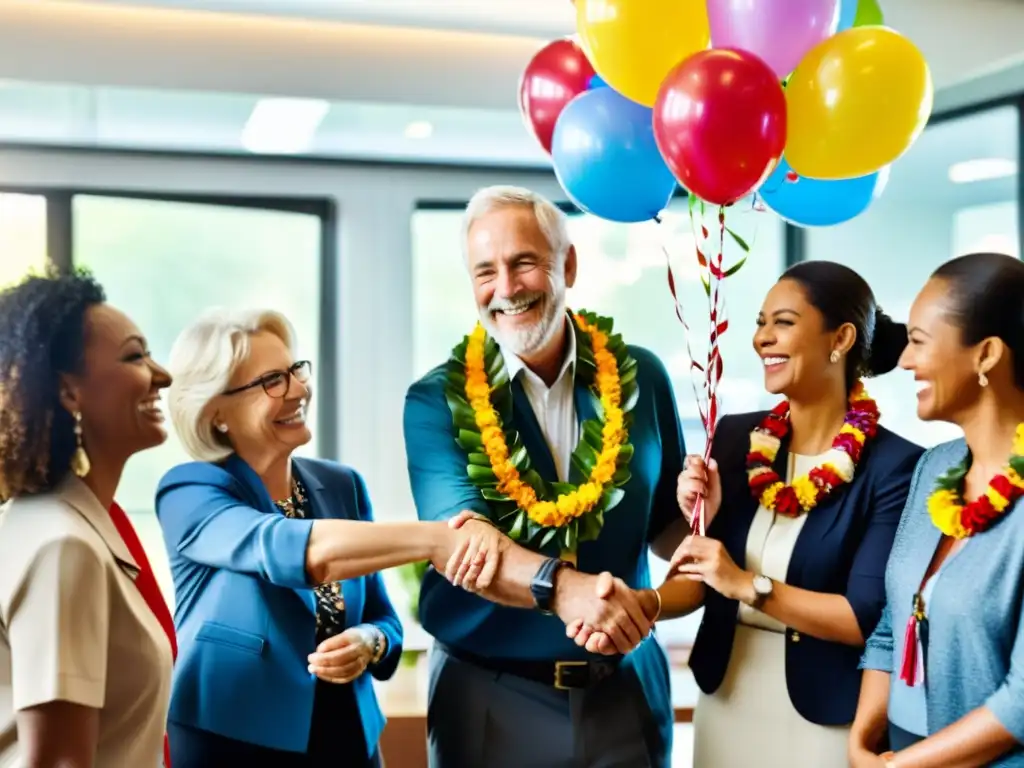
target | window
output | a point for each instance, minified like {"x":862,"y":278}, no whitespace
{"x":163,"y":263}
{"x":954,"y":192}
{"x":621,"y":274}
{"x":22,"y":236}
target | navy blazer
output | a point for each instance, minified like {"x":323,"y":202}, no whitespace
{"x":246,"y":612}
{"x":842,"y":549}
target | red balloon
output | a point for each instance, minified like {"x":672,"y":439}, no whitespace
{"x":557,"y":74}
{"x":720,"y":123}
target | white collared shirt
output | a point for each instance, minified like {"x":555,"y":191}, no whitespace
{"x":554,"y":406}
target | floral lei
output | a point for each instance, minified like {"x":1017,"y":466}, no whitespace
{"x":523,"y":504}
{"x":954,"y":518}
{"x":807,"y":491}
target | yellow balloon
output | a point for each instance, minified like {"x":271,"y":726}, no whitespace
{"x":633,"y":44}
{"x":855,"y":103}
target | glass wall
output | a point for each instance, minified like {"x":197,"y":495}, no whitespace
{"x":22,"y":236}
{"x":954,"y":192}
{"x":163,"y":263}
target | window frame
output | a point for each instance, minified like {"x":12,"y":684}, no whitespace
{"x":60,"y":254}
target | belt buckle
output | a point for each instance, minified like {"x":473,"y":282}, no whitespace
{"x":560,"y":667}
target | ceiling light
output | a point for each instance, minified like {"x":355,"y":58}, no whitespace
{"x":982,"y":169}
{"x":283,"y":126}
{"x":419,"y":129}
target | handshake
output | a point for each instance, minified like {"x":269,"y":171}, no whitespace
{"x":601,"y":613}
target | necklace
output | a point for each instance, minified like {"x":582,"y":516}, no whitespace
{"x":960,"y":520}
{"x":807,"y":491}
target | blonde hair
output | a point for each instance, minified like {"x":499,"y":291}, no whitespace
{"x":204,"y":357}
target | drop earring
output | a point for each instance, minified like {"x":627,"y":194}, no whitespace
{"x":80,"y":463}
{"x":834,"y":357}
{"x":982,"y":379}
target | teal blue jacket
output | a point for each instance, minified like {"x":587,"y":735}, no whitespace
{"x":441,"y":488}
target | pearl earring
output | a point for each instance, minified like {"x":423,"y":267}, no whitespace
{"x":834,"y":357}
{"x":982,"y":379}
{"x":223,"y":428}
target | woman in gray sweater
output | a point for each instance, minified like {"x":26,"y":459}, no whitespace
{"x":944,"y":670}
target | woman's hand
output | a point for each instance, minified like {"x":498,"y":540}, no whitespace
{"x":702,"y":559}
{"x":699,"y":479}
{"x":477,"y":546}
{"x":344,"y":657}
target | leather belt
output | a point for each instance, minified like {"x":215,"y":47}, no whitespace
{"x":561,"y":675}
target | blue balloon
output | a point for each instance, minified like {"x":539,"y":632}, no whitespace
{"x":606,"y":159}
{"x":819,"y":202}
{"x":847,"y":14}
{"x":596,"y":82}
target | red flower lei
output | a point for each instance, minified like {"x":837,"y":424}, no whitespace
{"x":959,"y":519}
{"x":806,"y":492}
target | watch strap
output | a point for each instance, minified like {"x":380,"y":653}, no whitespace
{"x":542,"y":587}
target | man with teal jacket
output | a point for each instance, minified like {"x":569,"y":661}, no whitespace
{"x":547,"y":425}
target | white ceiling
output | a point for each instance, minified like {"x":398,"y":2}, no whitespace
{"x":449,"y":53}
{"x":531,"y":18}
{"x":185,"y":74}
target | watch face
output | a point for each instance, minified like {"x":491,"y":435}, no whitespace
{"x":763,"y":585}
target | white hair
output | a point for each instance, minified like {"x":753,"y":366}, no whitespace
{"x":203,"y":359}
{"x":550,"y":218}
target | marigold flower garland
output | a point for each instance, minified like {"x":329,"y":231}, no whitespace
{"x":807,"y":491}
{"x":503,"y":471}
{"x":954,"y":518}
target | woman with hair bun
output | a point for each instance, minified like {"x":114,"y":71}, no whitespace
{"x":801,"y":505}
{"x":944,"y":669}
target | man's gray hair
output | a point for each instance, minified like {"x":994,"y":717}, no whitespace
{"x":550,"y":218}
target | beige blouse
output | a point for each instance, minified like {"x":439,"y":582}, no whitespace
{"x":770,"y":544}
{"x":74,"y":627}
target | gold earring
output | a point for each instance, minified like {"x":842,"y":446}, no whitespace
{"x":982,"y":379}
{"x":834,"y":357}
{"x":80,"y":463}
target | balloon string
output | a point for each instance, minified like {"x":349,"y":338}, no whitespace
{"x":706,"y":393}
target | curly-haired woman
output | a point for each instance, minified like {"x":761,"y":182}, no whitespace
{"x":86,"y":641}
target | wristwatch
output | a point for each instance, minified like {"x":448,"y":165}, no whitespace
{"x":543,"y":585}
{"x":762,"y":589}
{"x":379,"y":644}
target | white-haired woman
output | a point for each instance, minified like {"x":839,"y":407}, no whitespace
{"x":280,"y":604}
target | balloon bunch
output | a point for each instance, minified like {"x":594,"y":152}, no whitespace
{"x":802,"y":103}
{"x":805,"y":102}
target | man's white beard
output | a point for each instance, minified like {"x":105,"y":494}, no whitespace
{"x":529,"y":340}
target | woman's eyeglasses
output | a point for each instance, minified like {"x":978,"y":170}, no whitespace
{"x":277,"y":383}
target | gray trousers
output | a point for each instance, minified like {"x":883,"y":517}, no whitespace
{"x":477,"y":718}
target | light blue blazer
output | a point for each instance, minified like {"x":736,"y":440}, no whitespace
{"x":245,"y":611}
{"x":975,"y":654}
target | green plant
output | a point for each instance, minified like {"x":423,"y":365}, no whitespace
{"x":411,"y":575}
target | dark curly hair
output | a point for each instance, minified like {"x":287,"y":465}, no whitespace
{"x":42,"y":322}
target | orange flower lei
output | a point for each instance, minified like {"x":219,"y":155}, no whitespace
{"x":954,"y":518}
{"x":503,"y":472}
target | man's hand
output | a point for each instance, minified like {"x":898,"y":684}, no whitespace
{"x":606,"y":605}
{"x":343,"y":657}
{"x":599,"y":642}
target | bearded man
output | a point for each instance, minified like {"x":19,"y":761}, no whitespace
{"x":545,"y":424}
